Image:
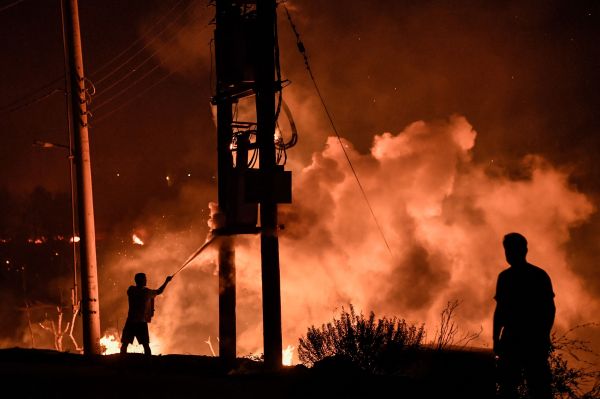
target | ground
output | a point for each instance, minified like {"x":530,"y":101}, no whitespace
{"x":34,"y":373}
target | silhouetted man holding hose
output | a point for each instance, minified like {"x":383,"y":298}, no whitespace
{"x":141,"y":310}
{"x":523,"y":320}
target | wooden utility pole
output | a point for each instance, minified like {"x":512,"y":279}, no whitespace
{"x":90,"y":307}
{"x":245,"y":67}
{"x":269,"y":242}
{"x":226,"y":259}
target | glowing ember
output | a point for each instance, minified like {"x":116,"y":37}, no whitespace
{"x":75,"y":239}
{"x":286,"y":355}
{"x":137,"y":240}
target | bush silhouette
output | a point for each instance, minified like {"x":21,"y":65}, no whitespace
{"x":373,"y":345}
{"x":572,"y":382}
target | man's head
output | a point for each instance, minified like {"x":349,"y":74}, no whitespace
{"x":515,"y":248}
{"x":140,"y":279}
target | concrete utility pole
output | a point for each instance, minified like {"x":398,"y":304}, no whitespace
{"x":269,"y":242}
{"x":245,"y":66}
{"x":90,"y":307}
{"x":226,"y":259}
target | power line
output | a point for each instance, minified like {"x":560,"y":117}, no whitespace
{"x":140,"y":78}
{"x":131,"y":72}
{"x":13,"y":108}
{"x":137,"y":95}
{"x":138,"y":66}
{"x":33,"y":93}
{"x":130,"y":100}
{"x":123,"y":52}
{"x":123,"y":90}
{"x":6,"y":7}
{"x":154,"y":38}
{"x":302,"y":50}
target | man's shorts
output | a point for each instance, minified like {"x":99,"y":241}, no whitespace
{"x":135,"y":329}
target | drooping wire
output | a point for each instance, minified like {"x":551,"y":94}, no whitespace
{"x":16,"y":107}
{"x":152,"y":40}
{"x":131,"y":99}
{"x":280,"y":145}
{"x":143,"y":76}
{"x":11,"y":5}
{"x":126,"y":88}
{"x":135,"y":42}
{"x":32,"y":95}
{"x":302,"y":50}
{"x":135,"y":69}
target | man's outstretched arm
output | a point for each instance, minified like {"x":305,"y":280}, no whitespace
{"x":162,"y":287}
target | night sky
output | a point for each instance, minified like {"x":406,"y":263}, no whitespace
{"x":525,"y":74}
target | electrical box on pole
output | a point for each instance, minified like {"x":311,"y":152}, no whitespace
{"x":251,"y":179}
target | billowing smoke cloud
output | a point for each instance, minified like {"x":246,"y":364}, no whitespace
{"x":442,"y":214}
{"x":442,"y":210}
{"x":444,"y":217}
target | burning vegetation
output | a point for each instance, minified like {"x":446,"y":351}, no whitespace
{"x":439,"y":209}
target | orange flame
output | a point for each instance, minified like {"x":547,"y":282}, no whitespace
{"x":37,"y":240}
{"x":137,"y":240}
{"x":111,"y":344}
{"x":287,"y":354}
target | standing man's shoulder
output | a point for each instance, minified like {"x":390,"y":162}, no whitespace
{"x":542,"y":278}
{"x":501,"y":284}
{"x":504,"y":274}
{"x":539,"y":272}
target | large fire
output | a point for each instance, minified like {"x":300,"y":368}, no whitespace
{"x":110,"y":344}
{"x":442,"y":213}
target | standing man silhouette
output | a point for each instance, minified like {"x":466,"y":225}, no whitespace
{"x":141,"y":310}
{"x":523,"y":320}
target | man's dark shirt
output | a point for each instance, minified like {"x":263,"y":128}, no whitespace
{"x":525,"y":300}
{"x":141,"y":303}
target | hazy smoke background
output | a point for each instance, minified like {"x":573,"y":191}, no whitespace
{"x":521,"y":75}
{"x":443,"y":215}
{"x":443,"y":203}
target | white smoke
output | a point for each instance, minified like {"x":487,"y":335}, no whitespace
{"x":442,"y":214}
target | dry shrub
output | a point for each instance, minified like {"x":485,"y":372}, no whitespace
{"x":370,"y":344}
